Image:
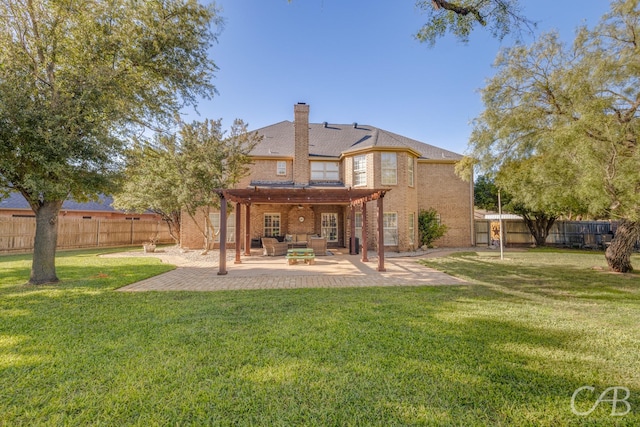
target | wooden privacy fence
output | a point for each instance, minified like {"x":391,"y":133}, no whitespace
{"x":17,"y":234}
{"x":587,"y":234}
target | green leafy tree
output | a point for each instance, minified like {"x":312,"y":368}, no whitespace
{"x":567,"y":118}
{"x":77,"y":78}
{"x":485,"y":194}
{"x":210,"y":160}
{"x":461,"y":17}
{"x":149,"y":182}
{"x":181,"y":172}
{"x":429,"y":227}
{"x":530,"y":201}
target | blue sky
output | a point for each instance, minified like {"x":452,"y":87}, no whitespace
{"x":357,"y":61}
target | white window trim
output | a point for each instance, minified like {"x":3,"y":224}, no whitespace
{"x":394,"y":181}
{"x":394,"y":233}
{"x":362,"y":172}
{"x":264,"y":226}
{"x":411,"y":171}
{"x":324,"y":171}
{"x":281,"y":168}
{"x":358,"y":225}
{"x":326,"y":228}
{"x":412,"y":228}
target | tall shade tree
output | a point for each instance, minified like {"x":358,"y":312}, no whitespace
{"x":538,"y":192}
{"x":76,"y":78}
{"x":539,"y":210}
{"x":575,"y":111}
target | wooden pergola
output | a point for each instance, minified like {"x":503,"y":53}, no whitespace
{"x":299,"y":195}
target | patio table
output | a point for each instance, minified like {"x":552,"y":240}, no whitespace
{"x":306,"y":254}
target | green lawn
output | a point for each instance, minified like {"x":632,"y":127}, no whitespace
{"x":508,"y":349}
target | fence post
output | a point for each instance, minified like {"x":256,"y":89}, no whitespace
{"x":131,"y":231}
{"x":98,"y":234}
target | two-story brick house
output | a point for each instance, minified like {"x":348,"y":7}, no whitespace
{"x":311,"y":176}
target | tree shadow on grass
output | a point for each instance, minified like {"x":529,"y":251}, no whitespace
{"x":377,"y":356}
{"x":551,"y":280}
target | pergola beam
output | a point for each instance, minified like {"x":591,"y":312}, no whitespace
{"x":303,"y":195}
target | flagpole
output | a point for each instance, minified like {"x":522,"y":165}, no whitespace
{"x":500,"y":216}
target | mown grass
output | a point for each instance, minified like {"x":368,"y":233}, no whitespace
{"x":508,"y":349}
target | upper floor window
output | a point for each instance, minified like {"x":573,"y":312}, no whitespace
{"x":389,"y":168}
{"x":359,"y":170}
{"x":410,"y":171}
{"x":325,"y":171}
{"x":281,"y":168}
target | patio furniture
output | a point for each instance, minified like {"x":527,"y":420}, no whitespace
{"x":305,"y":254}
{"x":319,"y":245}
{"x":274,"y":248}
{"x":299,"y":240}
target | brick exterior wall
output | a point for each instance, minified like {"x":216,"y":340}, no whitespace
{"x":435,"y":185}
{"x":264,"y":170}
{"x":190,"y":236}
{"x":452,"y":197}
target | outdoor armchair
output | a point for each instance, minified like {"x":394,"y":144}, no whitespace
{"x":274,"y":248}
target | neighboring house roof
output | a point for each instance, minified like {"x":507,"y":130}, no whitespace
{"x":334,"y":140}
{"x":17,"y":201}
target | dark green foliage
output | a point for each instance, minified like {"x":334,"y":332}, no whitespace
{"x":77,"y":79}
{"x":461,"y":17}
{"x":560,"y":125}
{"x":429,"y":226}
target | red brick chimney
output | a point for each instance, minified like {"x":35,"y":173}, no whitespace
{"x":301,"y":170}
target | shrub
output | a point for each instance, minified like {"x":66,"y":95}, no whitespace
{"x":429,"y":227}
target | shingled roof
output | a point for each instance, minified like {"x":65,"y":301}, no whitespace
{"x":17,"y":201}
{"x":334,"y":140}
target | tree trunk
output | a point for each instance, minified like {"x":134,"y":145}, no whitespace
{"x":618,"y":254}
{"x":539,"y":227}
{"x":43,"y":267}
{"x":172,"y":220}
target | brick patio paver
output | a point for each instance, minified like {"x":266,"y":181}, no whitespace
{"x":262,"y":272}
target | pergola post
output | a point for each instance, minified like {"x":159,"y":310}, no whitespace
{"x":365,"y":245}
{"x":352,"y":231}
{"x":222,"y":265}
{"x":237,"y":236}
{"x":380,"y":235}
{"x":247,"y":230}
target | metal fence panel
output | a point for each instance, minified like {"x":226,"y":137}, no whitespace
{"x":587,"y":234}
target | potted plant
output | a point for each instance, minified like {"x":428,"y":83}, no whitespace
{"x":150,"y":245}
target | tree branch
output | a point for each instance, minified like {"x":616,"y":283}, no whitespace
{"x":460,"y":10}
